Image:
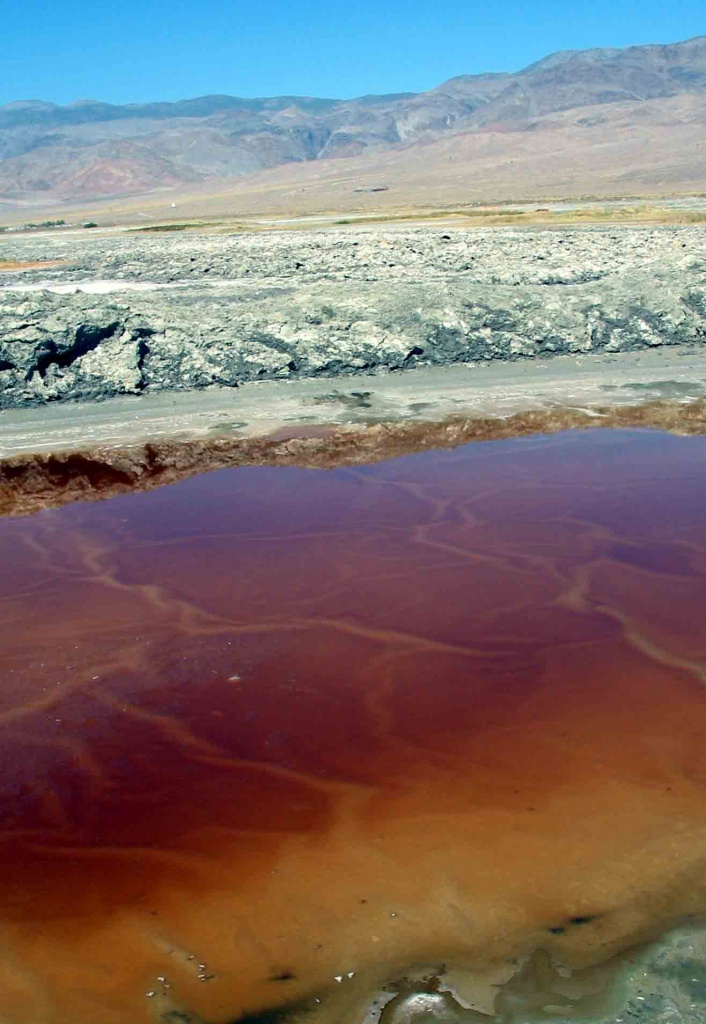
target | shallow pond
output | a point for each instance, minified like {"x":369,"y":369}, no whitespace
{"x":275,"y":741}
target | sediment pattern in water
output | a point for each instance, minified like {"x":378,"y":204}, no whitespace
{"x":273,"y":737}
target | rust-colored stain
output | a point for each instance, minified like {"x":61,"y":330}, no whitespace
{"x":271,"y":727}
{"x":30,"y":264}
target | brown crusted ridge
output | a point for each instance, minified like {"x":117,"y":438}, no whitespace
{"x":29,"y":483}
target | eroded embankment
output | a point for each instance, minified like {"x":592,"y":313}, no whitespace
{"x":132,"y":315}
{"x":29,"y":483}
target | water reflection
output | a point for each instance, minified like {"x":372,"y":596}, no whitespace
{"x":279,"y":738}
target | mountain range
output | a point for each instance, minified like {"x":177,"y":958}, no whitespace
{"x":90,"y":150}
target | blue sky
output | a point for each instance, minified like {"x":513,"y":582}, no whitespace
{"x":137,"y":50}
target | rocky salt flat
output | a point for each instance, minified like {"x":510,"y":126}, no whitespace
{"x":130,"y":313}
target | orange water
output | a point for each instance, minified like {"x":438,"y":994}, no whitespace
{"x":299,"y":725}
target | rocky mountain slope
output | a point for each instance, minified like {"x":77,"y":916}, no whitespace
{"x":88,"y":150}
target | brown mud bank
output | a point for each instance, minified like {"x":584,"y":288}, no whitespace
{"x":33,"y":481}
{"x":275,"y":740}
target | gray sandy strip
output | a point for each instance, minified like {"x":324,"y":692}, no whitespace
{"x":425,"y":394}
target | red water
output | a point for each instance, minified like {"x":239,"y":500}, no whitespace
{"x":299,"y":723}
